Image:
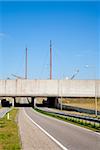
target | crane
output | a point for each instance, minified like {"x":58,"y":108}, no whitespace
{"x":73,"y":76}
{"x":18,"y":77}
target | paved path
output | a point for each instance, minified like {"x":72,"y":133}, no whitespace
{"x":32,"y":137}
{"x":70,"y":136}
{"x":3,"y":112}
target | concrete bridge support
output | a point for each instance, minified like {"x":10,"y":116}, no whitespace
{"x":52,"y":101}
{"x":33,"y":101}
{"x":14,"y":103}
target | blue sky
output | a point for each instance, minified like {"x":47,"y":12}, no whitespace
{"x":73,"y":27}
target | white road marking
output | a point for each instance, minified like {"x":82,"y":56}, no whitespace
{"x":57,"y":142}
{"x":83,"y":128}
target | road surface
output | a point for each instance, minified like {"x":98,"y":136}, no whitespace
{"x":3,"y":111}
{"x":70,"y":136}
{"x":32,"y":138}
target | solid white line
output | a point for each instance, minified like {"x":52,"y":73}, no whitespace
{"x":83,"y":128}
{"x":57,"y":142}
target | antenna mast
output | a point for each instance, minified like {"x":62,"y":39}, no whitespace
{"x":26,"y":65}
{"x":50,"y":60}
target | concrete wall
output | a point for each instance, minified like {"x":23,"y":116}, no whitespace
{"x":50,"y":88}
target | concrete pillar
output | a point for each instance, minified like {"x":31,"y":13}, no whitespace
{"x":32,"y":101}
{"x":52,"y":102}
{"x":13,"y":102}
{"x":56,"y":102}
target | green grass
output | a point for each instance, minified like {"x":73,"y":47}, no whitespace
{"x":9,"y":136}
{"x":82,"y":123}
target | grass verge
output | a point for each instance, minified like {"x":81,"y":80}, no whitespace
{"x":79,"y":122}
{"x":9,"y":136}
{"x":87,"y":103}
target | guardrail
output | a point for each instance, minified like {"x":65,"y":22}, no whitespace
{"x":72,"y":117}
{"x":77,"y":109}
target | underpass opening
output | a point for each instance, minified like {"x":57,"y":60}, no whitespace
{"x":52,"y":102}
{"x":23,"y":102}
{"x":16,"y":102}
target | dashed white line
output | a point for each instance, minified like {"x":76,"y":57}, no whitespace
{"x":56,"y":141}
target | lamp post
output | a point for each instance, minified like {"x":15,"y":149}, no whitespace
{"x":61,"y":97}
{"x":96,"y":105}
{"x":95,"y":89}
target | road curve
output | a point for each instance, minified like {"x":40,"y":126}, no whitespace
{"x":70,"y":136}
{"x":31,"y":137}
{"x":3,"y":111}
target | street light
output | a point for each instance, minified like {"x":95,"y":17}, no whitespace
{"x":95,"y":88}
{"x":73,"y":76}
{"x":61,"y":97}
{"x":67,"y":78}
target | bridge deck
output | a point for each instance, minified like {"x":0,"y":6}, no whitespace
{"x":56,"y":88}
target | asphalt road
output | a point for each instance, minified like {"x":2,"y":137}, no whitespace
{"x":31,"y":137}
{"x":3,"y":111}
{"x":70,"y":136}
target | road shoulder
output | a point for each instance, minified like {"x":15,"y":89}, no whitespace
{"x":32,"y":137}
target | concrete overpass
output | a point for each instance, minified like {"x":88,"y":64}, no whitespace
{"x":49,"y":88}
